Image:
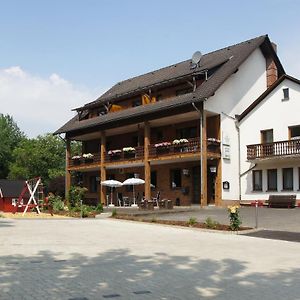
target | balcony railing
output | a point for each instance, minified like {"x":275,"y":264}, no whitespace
{"x":120,"y":155}
{"x":168,"y":148}
{"x":81,"y":161}
{"x":276,"y":149}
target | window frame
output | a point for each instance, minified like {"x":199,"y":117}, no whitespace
{"x":284,"y":188}
{"x":269,"y":171}
{"x":254,"y":189}
{"x":286,"y":94}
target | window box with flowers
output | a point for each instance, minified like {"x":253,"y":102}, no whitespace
{"x":213,"y":144}
{"x":163,"y":147}
{"x":180,"y":145}
{"x":76,"y":159}
{"x":88,"y":157}
{"x":114,"y":154}
{"x":129,"y":152}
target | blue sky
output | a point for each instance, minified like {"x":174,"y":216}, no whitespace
{"x":87,"y":46}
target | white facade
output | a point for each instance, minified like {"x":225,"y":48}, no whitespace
{"x":271,"y":113}
{"x":232,"y":98}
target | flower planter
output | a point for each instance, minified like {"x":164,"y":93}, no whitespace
{"x":88,"y":160}
{"x":162,"y":150}
{"x":129,"y":154}
{"x":76,"y":162}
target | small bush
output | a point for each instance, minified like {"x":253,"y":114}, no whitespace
{"x":114,"y":212}
{"x":192,"y":221}
{"x":56,"y":202}
{"x":210,"y":223}
{"x":234,"y":217}
{"x":99,"y":208}
{"x":1,"y":216}
{"x":153,"y":220}
{"x":76,"y":194}
{"x":85,"y":211}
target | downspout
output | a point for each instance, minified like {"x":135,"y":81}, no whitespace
{"x":237,"y":126}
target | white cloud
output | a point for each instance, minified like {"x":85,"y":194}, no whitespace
{"x":39,"y":105}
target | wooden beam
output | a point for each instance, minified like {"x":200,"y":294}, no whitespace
{"x":102,"y":167}
{"x":204,"y":160}
{"x":218,"y":184}
{"x":147,"y":166}
{"x":68,"y":173}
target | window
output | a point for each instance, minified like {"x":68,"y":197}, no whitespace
{"x":272,"y":180}
{"x":154,"y":178}
{"x":184,"y":91}
{"x":93,"y":184}
{"x":186,"y":133}
{"x":175,"y":178}
{"x":287,"y":177}
{"x":294,"y":132}
{"x":136,"y":102}
{"x":267,"y":136}
{"x":257,"y":180}
{"x":286,"y":94}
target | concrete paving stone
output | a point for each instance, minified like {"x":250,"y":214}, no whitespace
{"x":105,"y":256}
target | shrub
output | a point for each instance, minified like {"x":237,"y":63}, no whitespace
{"x":76,"y":194}
{"x":192,"y":221}
{"x":99,"y":208}
{"x":1,"y":216}
{"x":114,"y":212}
{"x":56,"y":202}
{"x":153,"y":220}
{"x":85,"y":210}
{"x":210,"y":223}
{"x":234,"y":217}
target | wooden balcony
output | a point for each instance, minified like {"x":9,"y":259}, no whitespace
{"x":120,"y":155}
{"x":191,"y":147}
{"x":85,"y":161}
{"x":277,"y":149}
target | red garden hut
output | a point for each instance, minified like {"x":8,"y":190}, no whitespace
{"x":10,"y":191}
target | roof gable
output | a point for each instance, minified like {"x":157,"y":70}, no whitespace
{"x":12,"y":188}
{"x":266,"y":93}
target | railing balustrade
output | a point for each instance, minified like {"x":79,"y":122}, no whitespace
{"x":275,"y":149}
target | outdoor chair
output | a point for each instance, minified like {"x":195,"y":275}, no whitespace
{"x":156,"y":199}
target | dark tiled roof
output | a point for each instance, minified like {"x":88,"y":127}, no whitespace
{"x":229,"y":59}
{"x":12,"y":188}
{"x":265,"y":94}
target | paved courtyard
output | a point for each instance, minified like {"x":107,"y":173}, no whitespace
{"x":113,"y":259}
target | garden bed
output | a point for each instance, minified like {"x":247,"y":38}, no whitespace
{"x":191,"y":223}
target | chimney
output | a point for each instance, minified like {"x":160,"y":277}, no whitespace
{"x":272,"y":74}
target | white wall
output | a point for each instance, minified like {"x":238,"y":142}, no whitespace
{"x":232,"y":98}
{"x":271,"y":113}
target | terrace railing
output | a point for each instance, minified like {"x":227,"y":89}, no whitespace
{"x":120,"y":155}
{"x":275,"y":149}
{"x":85,"y":161}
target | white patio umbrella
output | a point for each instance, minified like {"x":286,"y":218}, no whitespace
{"x":133,"y":182}
{"x":111,"y":183}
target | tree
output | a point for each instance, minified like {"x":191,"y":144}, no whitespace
{"x":10,"y":138}
{"x":43,"y":156}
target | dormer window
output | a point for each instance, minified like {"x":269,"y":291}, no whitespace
{"x":286,"y":94}
{"x":136,"y":102}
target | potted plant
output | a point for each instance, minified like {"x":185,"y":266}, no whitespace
{"x":76,"y":159}
{"x":129,"y":152}
{"x":162,"y":147}
{"x":88,"y":157}
{"x":180,"y":144}
{"x":114,"y":154}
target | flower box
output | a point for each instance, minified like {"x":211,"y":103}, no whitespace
{"x":114,"y":154}
{"x":88,"y":157}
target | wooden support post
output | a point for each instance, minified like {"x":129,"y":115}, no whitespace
{"x":68,"y":174}
{"x":103,"y":168}
{"x":147,"y":162}
{"x":204,"y":160}
{"x":218,"y":184}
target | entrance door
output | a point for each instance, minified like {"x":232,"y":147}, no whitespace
{"x":196,"y":185}
{"x":211,"y":179}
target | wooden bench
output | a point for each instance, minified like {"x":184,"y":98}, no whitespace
{"x":282,"y":201}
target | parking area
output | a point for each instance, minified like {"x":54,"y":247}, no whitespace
{"x":114,"y":259}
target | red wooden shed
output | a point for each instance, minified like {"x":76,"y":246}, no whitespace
{"x":10,"y":191}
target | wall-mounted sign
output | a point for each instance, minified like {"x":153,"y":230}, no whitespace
{"x":226,"y":151}
{"x":226,"y":185}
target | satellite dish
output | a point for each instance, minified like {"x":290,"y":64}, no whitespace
{"x":196,"y":57}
